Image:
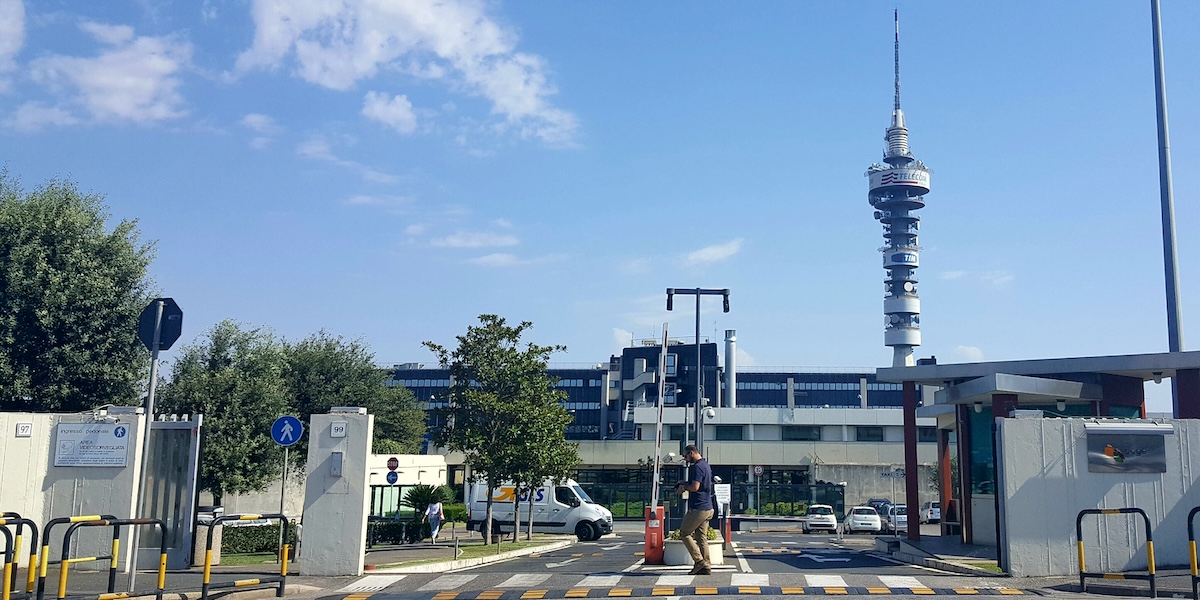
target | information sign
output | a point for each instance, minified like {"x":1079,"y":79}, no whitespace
{"x":392,"y":477}
{"x":724,"y":493}
{"x":91,"y":445}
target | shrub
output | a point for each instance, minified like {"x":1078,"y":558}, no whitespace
{"x":258,"y":538}
{"x":750,"y":511}
{"x":455,"y":513}
{"x":712,"y":535}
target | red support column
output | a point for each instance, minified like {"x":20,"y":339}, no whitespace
{"x":946,"y":480}
{"x":911,"y":469}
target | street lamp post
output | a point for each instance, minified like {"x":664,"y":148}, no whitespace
{"x":697,"y":292}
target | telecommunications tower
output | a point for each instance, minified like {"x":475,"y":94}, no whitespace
{"x":897,"y":189}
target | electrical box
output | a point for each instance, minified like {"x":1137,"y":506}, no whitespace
{"x":335,"y":464}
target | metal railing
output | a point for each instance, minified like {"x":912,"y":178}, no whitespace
{"x":1149,"y":576}
{"x":284,"y":547}
{"x":1192,"y":552}
{"x":45,"y":560}
{"x":116,"y":524}
{"x":10,"y":518}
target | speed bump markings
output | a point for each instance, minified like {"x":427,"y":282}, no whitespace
{"x":662,"y":591}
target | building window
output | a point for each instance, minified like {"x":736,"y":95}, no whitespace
{"x":927,"y":434}
{"x":868,"y":434}
{"x":675,"y":432}
{"x":728,"y":432}
{"x":672,"y":360}
{"x":801,"y":433}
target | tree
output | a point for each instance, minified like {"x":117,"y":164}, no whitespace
{"x":70,"y":294}
{"x":492,"y":380}
{"x":324,"y":371}
{"x":235,"y":379}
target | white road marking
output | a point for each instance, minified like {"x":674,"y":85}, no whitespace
{"x":901,"y":581}
{"x":371,"y":583}
{"x":825,"y":580}
{"x":599,"y":581}
{"x":559,"y":564}
{"x":674,"y":580}
{"x":525,"y":580}
{"x":446,"y":582}
{"x":743,"y":563}
{"x":749,"y":579}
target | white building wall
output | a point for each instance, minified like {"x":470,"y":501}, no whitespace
{"x":1046,"y":482}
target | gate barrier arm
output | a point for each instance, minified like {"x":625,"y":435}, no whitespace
{"x":1083,"y":574}
{"x":281,"y":579}
{"x":1192,"y":551}
{"x":41,"y":581}
{"x":8,"y":519}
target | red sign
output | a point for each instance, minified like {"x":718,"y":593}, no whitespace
{"x":393,"y":463}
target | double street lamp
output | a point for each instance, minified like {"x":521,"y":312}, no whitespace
{"x":697,"y":292}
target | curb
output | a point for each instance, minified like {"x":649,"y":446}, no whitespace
{"x":1117,"y":590}
{"x":290,"y":590}
{"x":454,"y":565}
{"x":944,"y":565}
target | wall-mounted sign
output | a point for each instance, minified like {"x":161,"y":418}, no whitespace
{"x":24,"y":429}
{"x":1126,"y":453}
{"x":91,"y":445}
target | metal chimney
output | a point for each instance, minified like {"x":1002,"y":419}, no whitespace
{"x":731,"y":368}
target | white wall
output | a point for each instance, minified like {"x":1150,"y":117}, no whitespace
{"x":1046,"y":482}
{"x":31,"y":485}
{"x":336,"y":506}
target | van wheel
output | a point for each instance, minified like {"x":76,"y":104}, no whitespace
{"x":587,"y":532}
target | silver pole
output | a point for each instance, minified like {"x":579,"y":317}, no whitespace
{"x":1170,"y":258}
{"x":148,"y":422}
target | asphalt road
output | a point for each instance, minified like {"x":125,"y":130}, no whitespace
{"x":760,"y":564}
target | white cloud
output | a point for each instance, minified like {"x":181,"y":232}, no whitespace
{"x":503,"y":260}
{"x":396,"y":112}
{"x":12,"y":35}
{"x":481,"y":239}
{"x":208,"y":12}
{"x":715,"y":253}
{"x":416,"y":229}
{"x":622,"y":338}
{"x":32,"y":116}
{"x":744,"y":359}
{"x":382,"y":201}
{"x":337,"y":44}
{"x":260,"y":123}
{"x":997,"y":278}
{"x":969,"y":353}
{"x":319,"y":149}
{"x":132,"y":79}
{"x":505,"y":223}
{"x":954,"y":274}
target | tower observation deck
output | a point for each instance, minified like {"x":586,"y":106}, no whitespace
{"x":897,"y":189}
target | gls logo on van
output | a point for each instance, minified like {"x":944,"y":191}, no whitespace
{"x":506,"y":494}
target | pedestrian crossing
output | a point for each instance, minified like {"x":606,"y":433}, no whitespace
{"x":535,"y":586}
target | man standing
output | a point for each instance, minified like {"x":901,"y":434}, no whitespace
{"x":694,"y":530}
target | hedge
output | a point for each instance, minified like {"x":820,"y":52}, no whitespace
{"x":249,"y":539}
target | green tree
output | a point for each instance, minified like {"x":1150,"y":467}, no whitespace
{"x":71,"y":290}
{"x":493,"y":377}
{"x":234,"y":377}
{"x":324,"y":371}
{"x":542,"y":452}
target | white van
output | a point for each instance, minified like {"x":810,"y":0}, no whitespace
{"x":561,"y":508}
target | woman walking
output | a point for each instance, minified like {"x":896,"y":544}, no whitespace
{"x":434,"y":515}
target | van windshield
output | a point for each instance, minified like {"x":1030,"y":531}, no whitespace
{"x":583,"y":495}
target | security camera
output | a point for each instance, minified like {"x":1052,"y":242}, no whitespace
{"x":670,"y":457}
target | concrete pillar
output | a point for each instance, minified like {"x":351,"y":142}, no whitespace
{"x":336,"y":498}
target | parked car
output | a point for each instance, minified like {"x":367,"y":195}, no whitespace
{"x":931,"y":512}
{"x":820,"y":516}
{"x":862,"y":518}
{"x":896,"y":518}
{"x":879,"y":504}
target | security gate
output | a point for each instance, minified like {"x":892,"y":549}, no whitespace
{"x":172,"y":475}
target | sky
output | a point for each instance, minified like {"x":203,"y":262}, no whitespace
{"x":387,"y":171}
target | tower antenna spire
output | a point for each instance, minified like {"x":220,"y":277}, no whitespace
{"x":896,"y":14}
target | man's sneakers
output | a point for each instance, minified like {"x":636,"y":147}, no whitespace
{"x":700,"y":569}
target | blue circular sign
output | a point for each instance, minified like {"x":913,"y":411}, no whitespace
{"x":286,"y":430}
{"x":392,"y":478}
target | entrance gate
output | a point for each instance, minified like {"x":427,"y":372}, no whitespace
{"x":173,"y":473}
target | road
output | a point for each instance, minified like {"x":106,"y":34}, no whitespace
{"x":760,"y":564}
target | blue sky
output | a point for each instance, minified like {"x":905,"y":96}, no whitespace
{"x":390,"y":170}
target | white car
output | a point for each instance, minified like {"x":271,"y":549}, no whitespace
{"x":931,"y":512}
{"x":896,"y":518}
{"x":862,"y":518}
{"x":820,"y":516}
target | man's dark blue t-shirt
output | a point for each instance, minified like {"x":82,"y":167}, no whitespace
{"x":701,"y":499}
